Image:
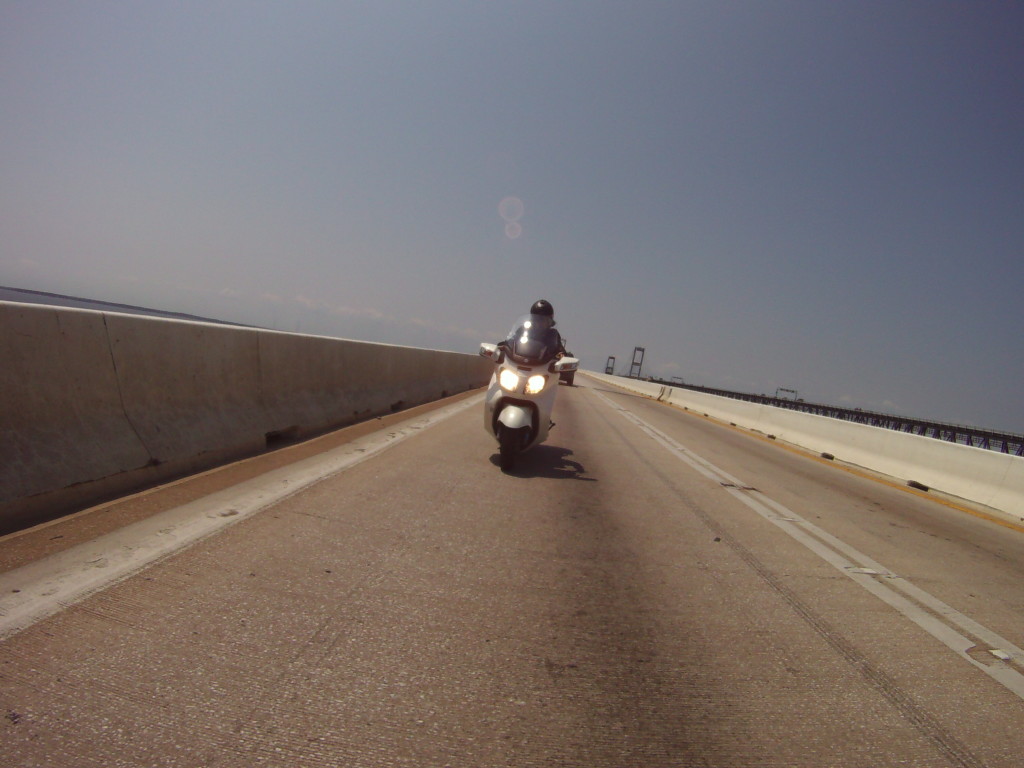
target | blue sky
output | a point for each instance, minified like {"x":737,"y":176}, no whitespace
{"x":821,"y":196}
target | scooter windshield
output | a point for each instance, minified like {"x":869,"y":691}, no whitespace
{"x":532,"y":340}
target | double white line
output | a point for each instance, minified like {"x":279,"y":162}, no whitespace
{"x":961,"y":634}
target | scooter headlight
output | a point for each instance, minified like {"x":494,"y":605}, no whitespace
{"x":535,"y":384}
{"x":509,"y":380}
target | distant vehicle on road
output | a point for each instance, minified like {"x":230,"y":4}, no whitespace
{"x":567,"y":377}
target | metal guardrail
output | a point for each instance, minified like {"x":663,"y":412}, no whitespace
{"x":1002,"y":442}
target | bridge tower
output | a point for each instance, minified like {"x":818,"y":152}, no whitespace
{"x":638,"y":361}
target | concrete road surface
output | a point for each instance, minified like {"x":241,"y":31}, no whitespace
{"x":650,"y":588}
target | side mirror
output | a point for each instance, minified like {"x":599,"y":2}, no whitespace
{"x":491,"y":352}
{"x":566,"y":364}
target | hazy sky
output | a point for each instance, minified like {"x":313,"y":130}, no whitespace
{"x":822,"y":196}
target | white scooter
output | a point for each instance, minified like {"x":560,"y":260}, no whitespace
{"x":521,"y":395}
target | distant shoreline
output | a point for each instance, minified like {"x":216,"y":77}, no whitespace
{"x":27,"y":296}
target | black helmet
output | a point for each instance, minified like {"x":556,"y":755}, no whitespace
{"x":542,"y":307}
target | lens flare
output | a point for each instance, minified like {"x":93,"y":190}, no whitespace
{"x":511,"y":209}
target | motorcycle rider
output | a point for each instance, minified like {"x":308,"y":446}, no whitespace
{"x":545,"y":313}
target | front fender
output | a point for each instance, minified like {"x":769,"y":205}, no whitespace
{"x":515,"y":417}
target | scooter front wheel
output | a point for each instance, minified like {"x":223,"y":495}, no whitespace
{"x":508,"y":444}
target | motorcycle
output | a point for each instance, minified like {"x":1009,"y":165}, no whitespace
{"x":521,"y":393}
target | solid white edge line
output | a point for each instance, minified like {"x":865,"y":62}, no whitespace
{"x":42,"y":588}
{"x":830,"y":549}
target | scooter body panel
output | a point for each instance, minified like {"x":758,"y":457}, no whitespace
{"x":516,"y":410}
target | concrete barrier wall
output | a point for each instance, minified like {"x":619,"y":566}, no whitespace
{"x":985,"y":477}
{"x":96,"y":403}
